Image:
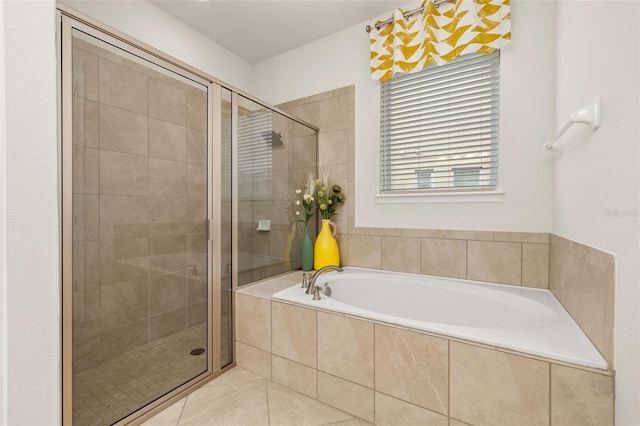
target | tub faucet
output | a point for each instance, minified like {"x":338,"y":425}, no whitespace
{"x":314,"y":277}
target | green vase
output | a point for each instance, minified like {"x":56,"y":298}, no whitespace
{"x":307,"y":250}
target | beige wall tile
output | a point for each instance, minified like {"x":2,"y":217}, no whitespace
{"x":535,"y":265}
{"x":572,"y":247}
{"x":610,"y":295}
{"x":392,"y":412}
{"x":494,"y":388}
{"x":123,"y":174}
{"x":598,"y":258}
{"x":123,"y":259}
{"x":124,"y":302}
{"x":85,"y":74}
{"x":468,"y":235}
{"x":444,"y":258}
{"x":294,"y":333}
{"x":333,"y":113}
{"x":167,"y":102}
{"x":253,"y":359}
{"x":196,"y":146}
{"x":86,"y":122}
{"x":196,"y":109}
{"x":295,"y":376}
{"x":494,"y":262}
{"x":196,"y":181}
{"x":422,"y":233}
{"x":580,"y":397}
{"x":591,"y":303}
{"x":123,"y":131}
{"x":332,"y":147}
{"x":412,"y":367}
{"x":86,"y":218}
{"x":303,"y":149}
{"x":167,"y":178}
{"x":522,"y":237}
{"x":306,"y":112}
{"x":401,"y":254}
{"x":122,"y":87}
{"x":167,"y":292}
{"x":347,"y":396}
{"x":123,"y":217}
{"x":345,"y":348}
{"x":167,"y":323}
{"x":564,"y":271}
{"x":167,"y":216}
{"x":167,"y":140}
{"x":253,"y":321}
{"x":365,"y":251}
{"x":86,"y":270}
{"x":86,"y":177}
{"x":197,"y":314}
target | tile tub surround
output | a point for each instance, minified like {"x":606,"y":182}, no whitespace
{"x":581,"y":277}
{"x":583,"y":280}
{"x":380,"y":373}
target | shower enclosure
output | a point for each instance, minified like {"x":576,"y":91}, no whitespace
{"x":174,"y":190}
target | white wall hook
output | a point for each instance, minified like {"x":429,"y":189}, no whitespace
{"x":589,"y":114}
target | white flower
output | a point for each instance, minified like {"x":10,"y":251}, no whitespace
{"x":312,"y":199}
{"x":298,"y":191}
{"x":306,"y":197}
{"x":297,"y":202}
{"x":297,"y":213}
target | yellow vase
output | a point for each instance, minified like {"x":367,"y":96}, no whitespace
{"x":325,"y":250}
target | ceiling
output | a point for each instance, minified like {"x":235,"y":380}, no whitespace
{"x":256,"y":30}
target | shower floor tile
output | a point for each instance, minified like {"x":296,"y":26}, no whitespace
{"x":112,"y":390}
{"x":239,"y":397}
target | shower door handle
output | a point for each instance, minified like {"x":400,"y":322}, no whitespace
{"x":207,"y":229}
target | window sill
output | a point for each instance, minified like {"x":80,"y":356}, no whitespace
{"x":442,"y":197}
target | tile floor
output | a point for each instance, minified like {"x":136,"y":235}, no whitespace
{"x":239,"y":397}
{"x":115,"y":388}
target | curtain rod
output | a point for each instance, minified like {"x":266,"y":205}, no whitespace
{"x":406,"y":15}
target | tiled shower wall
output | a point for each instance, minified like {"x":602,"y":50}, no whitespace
{"x":581,"y":277}
{"x":262,"y":254}
{"x":139,"y":195}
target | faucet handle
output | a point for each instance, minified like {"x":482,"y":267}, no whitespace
{"x":305,"y":280}
{"x":316,"y":293}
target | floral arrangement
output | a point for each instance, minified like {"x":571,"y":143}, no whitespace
{"x":319,"y":194}
{"x":328,"y":197}
{"x":308,"y":198}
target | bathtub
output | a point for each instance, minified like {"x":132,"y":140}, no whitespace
{"x":522,"y":319}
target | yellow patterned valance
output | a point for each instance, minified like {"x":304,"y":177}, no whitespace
{"x":438,"y":35}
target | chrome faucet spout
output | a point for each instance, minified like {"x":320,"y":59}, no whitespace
{"x":312,"y":281}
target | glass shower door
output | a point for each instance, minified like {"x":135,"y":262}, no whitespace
{"x":140,"y":279}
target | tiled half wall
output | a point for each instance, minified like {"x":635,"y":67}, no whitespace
{"x":581,"y":277}
{"x":389,"y":375}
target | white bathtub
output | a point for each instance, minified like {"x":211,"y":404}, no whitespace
{"x":523,"y":319}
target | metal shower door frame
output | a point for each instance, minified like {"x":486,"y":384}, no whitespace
{"x":69,"y":20}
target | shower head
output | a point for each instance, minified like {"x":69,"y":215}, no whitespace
{"x":274,"y":137}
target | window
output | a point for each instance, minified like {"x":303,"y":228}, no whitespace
{"x":466,"y":177}
{"x":424,"y":178}
{"x":439,"y":127}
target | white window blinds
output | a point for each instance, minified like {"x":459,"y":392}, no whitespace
{"x":439,"y":127}
{"x":255,"y":139}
